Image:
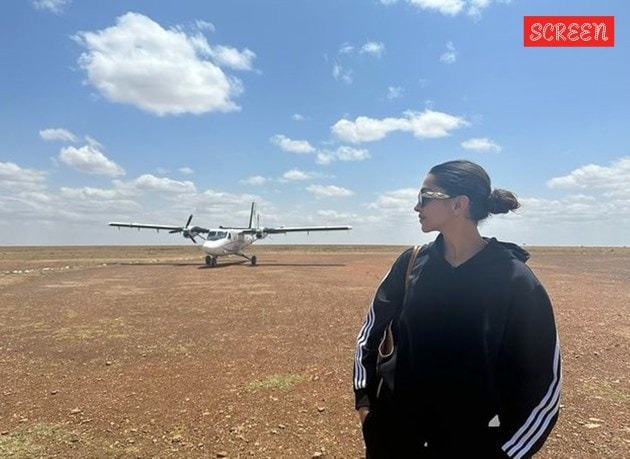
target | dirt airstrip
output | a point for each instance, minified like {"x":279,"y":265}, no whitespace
{"x":142,"y":352}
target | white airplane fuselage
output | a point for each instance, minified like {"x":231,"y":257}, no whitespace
{"x":228,"y":242}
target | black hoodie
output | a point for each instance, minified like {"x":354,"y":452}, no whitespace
{"x":477,"y":345}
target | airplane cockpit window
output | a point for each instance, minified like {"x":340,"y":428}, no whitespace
{"x":216,"y":235}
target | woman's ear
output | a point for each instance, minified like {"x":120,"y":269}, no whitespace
{"x":461,"y":204}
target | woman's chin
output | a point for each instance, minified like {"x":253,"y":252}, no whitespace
{"x":425,"y":227}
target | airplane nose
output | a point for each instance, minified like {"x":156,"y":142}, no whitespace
{"x":211,"y":248}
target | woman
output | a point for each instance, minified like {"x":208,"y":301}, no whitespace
{"x":477,"y":356}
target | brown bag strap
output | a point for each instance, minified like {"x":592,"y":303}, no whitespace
{"x":414,"y":254}
{"x":386,"y":347}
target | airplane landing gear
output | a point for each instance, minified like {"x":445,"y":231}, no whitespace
{"x":211,"y":262}
{"x":251,"y":259}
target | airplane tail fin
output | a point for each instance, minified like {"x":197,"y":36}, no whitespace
{"x":251,"y":215}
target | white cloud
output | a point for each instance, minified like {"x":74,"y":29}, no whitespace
{"x":89,"y":193}
{"x":16,"y":179}
{"x":475,"y":7}
{"x":365,"y":129}
{"x":394,"y":211}
{"x":394,"y":92}
{"x":296,"y":174}
{"x":54,"y":6}
{"x":297,"y":117}
{"x":159,"y":70}
{"x":93,"y":142}
{"x":333,"y":215}
{"x":148,"y":182}
{"x":255,"y":180}
{"x":91,"y":160}
{"x":450,"y":7}
{"x":426,"y":124}
{"x":328,"y":191}
{"x":577,"y":210}
{"x":292,"y":146}
{"x":205,"y":25}
{"x":373,"y":48}
{"x":292,"y":175}
{"x":450,"y":56}
{"x":58,"y":134}
{"x":346,"y":48}
{"x":224,"y":207}
{"x":341,"y":74}
{"x":186,"y":170}
{"x":232,"y":57}
{"x":399,"y":201}
{"x":594,"y":215}
{"x":613,"y":177}
{"x":481,"y":144}
{"x":343,"y":153}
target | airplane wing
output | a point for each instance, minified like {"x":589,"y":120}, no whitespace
{"x":169,"y":228}
{"x":294,"y":229}
{"x":187,"y":231}
{"x":147,"y":226}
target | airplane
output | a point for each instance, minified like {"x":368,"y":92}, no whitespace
{"x":228,"y":240}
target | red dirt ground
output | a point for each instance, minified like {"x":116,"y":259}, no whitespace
{"x":142,"y":352}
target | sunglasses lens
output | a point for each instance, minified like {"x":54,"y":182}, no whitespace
{"x":426,"y":196}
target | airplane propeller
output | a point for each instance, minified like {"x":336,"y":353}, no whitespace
{"x":186,"y":230}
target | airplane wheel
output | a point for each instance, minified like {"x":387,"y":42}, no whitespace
{"x":214,"y":262}
{"x":211,"y":262}
{"x":253,"y":260}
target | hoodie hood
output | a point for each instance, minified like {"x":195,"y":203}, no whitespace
{"x":495,"y":250}
{"x":513,"y":249}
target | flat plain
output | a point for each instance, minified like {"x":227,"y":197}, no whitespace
{"x":143,"y":352}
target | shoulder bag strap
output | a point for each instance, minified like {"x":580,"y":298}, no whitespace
{"x":414,"y":254}
{"x":386,"y":346}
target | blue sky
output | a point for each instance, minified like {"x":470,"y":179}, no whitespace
{"x":325,"y":113}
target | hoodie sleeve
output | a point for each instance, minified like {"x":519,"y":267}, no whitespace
{"x":531,"y":373}
{"x":386,"y":301}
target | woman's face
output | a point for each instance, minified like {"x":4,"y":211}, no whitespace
{"x":433,"y":206}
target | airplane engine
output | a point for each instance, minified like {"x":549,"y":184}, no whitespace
{"x":190,"y":234}
{"x":259,"y":235}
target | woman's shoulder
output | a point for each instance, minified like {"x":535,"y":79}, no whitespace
{"x":414,"y":251}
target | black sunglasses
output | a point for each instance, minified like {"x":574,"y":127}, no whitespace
{"x":425,"y":196}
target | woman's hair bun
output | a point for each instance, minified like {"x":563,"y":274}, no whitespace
{"x":502,"y":201}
